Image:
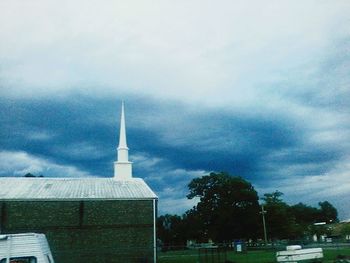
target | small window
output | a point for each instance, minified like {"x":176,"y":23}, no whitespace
{"x":20,"y":260}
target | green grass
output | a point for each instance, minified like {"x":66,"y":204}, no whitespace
{"x":252,"y":257}
{"x":331,"y":254}
{"x":191,"y":256}
{"x":183,"y":256}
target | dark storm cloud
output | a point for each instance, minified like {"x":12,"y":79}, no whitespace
{"x":170,"y":142}
{"x":83,"y":132}
{"x":235,"y":149}
{"x":69,"y":125}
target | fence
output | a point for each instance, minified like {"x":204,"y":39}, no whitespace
{"x":338,"y":252}
{"x":212,"y":255}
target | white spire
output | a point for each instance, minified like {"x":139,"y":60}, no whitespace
{"x":122,"y":167}
{"x":122,"y":135}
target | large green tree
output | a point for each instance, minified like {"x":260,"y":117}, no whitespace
{"x":228,"y":207}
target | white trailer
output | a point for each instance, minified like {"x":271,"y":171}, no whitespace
{"x":25,"y":248}
{"x":299,"y":255}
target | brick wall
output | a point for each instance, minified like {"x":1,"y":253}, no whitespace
{"x":86,"y":231}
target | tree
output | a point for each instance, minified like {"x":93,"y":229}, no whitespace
{"x":328,"y":213}
{"x":305,"y":216}
{"x":279,"y":219}
{"x":228,"y":208}
{"x":194,"y":226}
{"x":32,"y":175}
{"x":170,"y":230}
{"x":273,"y":198}
{"x":284,"y":221}
{"x":29,"y":175}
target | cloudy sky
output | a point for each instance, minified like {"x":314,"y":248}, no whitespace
{"x":259,"y":89}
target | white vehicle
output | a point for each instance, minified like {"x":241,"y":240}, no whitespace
{"x":24,"y":248}
{"x":295,"y":254}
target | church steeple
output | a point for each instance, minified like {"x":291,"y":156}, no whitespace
{"x":122,"y":167}
{"x":122,"y":147}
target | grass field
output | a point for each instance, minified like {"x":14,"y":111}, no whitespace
{"x":191,"y":256}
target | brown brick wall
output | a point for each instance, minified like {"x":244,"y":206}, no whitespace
{"x":86,"y":231}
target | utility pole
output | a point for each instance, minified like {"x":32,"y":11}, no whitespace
{"x":263,"y":212}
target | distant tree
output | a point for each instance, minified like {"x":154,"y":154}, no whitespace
{"x":305,"y":216}
{"x":32,"y":175}
{"x":328,"y":213}
{"x":29,"y":175}
{"x":228,"y":208}
{"x":279,"y":218}
{"x":194,"y":226}
{"x":170,"y":230}
{"x":273,"y":198}
{"x":284,"y":221}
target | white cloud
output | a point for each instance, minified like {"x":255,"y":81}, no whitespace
{"x":176,"y":205}
{"x":202,"y":51}
{"x":14,"y":163}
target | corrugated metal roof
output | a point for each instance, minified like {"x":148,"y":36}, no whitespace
{"x":73,"y":188}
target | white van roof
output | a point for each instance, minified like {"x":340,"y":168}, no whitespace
{"x":23,"y":245}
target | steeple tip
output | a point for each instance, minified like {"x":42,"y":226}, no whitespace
{"x":122,"y":167}
{"x":122,"y":134}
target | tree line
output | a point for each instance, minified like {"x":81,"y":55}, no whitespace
{"x":229,"y":209}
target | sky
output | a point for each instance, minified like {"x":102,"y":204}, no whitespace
{"x":258,"y":89}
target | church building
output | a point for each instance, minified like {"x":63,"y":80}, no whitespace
{"x":86,"y":219}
